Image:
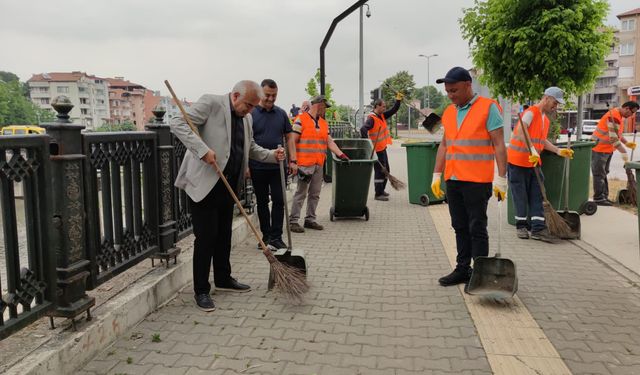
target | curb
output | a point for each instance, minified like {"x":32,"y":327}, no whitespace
{"x":68,"y":351}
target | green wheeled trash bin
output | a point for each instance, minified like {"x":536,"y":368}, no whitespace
{"x":421,"y":159}
{"x":351,"y":180}
{"x":328,"y":167}
{"x":553,"y":170}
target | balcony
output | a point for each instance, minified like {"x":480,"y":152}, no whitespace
{"x":605,"y":90}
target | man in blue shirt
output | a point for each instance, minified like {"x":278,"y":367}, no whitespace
{"x":270,"y":126}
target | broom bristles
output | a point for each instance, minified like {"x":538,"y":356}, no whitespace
{"x":395,"y":183}
{"x":289,"y":281}
{"x":556,"y":223}
{"x":631,"y":190}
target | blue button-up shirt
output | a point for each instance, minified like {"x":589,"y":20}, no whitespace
{"x":269,"y":129}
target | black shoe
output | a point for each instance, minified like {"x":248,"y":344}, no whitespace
{"x":385,"y":193}
{"x":544,"y":235}
{"x":604,"y":202}
{"x":456,"y":277}
{"x":381,"y":197}
{"x":233,"y":286}
{"x":313,"y":225}
{"x":278,"y":244}
{"x":266,"y":242}
{"x":204,"y":302}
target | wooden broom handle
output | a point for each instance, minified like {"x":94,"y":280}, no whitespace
{"x":217,"y":168}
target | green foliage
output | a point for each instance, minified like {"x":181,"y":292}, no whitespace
{"x":16,"y":108}
{"x":8,"y":77}
{"x":156,"y":337}
{"x":313,"y":89}
{"x":124,"y":127}
{"x":436,"y":97}
{"x":343,"y":112}
{"x":522,"y":47}
{"x":404,"y":83}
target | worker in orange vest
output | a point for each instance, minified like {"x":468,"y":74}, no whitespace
{"x":608,"y":136}
{"x":311,"y":136}
{"x":375,"y":128}
{"x":521,"y":161}
{"x":473,"y":138}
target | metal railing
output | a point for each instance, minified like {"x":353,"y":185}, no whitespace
{"x":27,"y":284}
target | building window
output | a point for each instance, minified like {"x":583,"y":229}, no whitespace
{"x":63,"y":89}
{"x":627,"y":49}
{"x":44,"y":100}
{"x":81,"y":89}
{"x":605,"y":82}
{"x":625,"y":72}
{"x":84,"y":111}
{"x":83,"y":101}
{"x":41,"y":89}
{"x":628,"y":25}
{"x":100,"y":92}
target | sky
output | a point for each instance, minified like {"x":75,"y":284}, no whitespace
{"x":207,"y":46}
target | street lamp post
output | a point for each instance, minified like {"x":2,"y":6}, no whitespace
{"x":361,"y":70}
{"x":428,"y":57}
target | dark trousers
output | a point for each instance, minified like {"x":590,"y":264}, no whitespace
{"x":468,"y":209}
{"x":268,"y":182}
{"x":600,"y":162}
{"x":379,"y":178}
{"x":212,"y":220}
{"x":527,"y":197}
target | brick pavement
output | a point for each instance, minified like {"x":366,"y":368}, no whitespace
{"x":376,"y":308}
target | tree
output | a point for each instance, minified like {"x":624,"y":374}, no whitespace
{"x":125,"y":126}
{"x":313,"y":89}
{"x":404,"y":83}
{"x":522,"y":47}
{"x":17,"y":109}
{"x":436,"y":97}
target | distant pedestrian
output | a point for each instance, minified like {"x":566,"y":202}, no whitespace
{"x":375,"y":128}
{"x":270,"y":126}
{"x":311,"y":135}
{"x":608,"y":137}
{"x":521,"y":161}
{"x":294,"y":110}
{"x":226,"y":138}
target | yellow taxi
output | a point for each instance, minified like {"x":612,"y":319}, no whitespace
{"x":21,"y":130}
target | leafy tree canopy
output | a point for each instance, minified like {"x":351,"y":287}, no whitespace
{"x":522,"y":47}
{"x":16,"y":108}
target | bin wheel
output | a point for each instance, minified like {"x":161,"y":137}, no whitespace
{"x":331,"y":213}
{"x":327,"y":178}
{"x":366,"y":213}
{"x":424,"y":200}
{"x":589,"y":208}
{"x":623,"y":197}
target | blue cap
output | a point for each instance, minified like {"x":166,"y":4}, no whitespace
{"x":556,"y":93}
{"x":457,"y":74}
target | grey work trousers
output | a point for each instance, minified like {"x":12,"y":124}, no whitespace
{"x":600,"y":162}
{"x":312,"y":188}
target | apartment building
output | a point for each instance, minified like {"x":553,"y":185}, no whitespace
{"x":88,"y":94}
{"x":126,"y":101}
{"x":153,"y":99}
{"x":606,"y":86}
{"x":629,"y":60}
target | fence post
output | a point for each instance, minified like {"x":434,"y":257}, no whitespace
{"x":69,"y":213}
{"x":166,"y":196}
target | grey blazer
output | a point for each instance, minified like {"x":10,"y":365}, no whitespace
{"x":211,"y":114}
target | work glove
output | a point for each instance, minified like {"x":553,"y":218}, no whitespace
{"x":631,"y":145}
{"x":399,"y":95}
{"x":435,"y":185}
{"x":500,"y":187}
{"x":534,"y":158}
{"x":565,"y":153}
{"x":625,"y":157}
{"x":343,"y":157}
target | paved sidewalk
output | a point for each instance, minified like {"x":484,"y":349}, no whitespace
{"x":376,"y":307}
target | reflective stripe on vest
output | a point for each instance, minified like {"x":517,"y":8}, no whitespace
{"x":470,"y":152}
{"x":379,"y":133}
{"x":601,"y":134}
{"x":518,"y":152}
{"x":311,"y":148}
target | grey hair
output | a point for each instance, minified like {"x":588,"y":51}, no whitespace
{"x":245,"y":86}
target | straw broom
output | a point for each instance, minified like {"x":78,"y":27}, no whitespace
{"x":632,"y":197}
{"x":396,"y":184}
{"x":556,"y":224}
{"x":289,"y":281}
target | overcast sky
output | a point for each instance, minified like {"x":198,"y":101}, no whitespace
{"x":206,"y":46}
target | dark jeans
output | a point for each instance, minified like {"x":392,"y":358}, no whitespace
{"x":527,"y":197}
{"x":212,"y":224}
{"x":379,"y":179}
{"x":265,"y":182}
{"x":600,"y":162}
{"x":468,"y":209}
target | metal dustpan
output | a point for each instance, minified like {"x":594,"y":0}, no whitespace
{"x":494,"y":276}
{"x":289,"y":256}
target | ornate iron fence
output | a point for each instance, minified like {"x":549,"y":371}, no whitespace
{"x":28,"y":291}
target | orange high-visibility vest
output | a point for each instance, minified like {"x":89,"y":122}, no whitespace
{"x":601,"y":134}
{"x":470,"y":152}
{"x":311,"y":148}
{"x":518,"y":152}
{"x":379,"y":133}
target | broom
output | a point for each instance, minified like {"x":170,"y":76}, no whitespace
{"x":632,"y":198}
{"x":289,"y":281}
{"x":396,"y":184}
{"x":556,"y":224}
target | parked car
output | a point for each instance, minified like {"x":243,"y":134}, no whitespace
{"x":589,"y":126}
{"x":21,"y":129}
